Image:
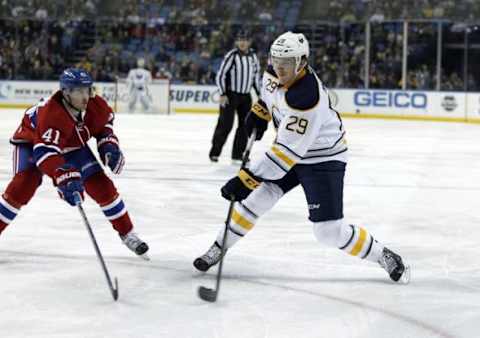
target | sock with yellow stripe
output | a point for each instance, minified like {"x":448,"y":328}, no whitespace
{"x":246,"y":213}
{"x":349,"y":238}
{"x":242,"y":221}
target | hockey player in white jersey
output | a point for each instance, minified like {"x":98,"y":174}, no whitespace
{"x":310,"y":150}
{"x":138,"y":80}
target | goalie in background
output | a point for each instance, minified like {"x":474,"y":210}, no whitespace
{"x":138,"y":80}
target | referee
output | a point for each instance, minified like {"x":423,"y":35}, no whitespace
{"x":238,"y":73}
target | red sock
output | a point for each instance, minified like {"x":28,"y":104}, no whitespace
{"x":19,"y":192}
{"x":102,"y":190}
{"x":2,"y":226}
{"x":123,"y":224}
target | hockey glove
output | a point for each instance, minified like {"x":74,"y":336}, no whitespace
{"x":68,"y":181}
{"x":240,"y":186}
{"x":110,"y":153}
{"x":258,"y":118}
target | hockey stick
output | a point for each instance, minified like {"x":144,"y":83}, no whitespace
{"x":207,"y":294}
{"x":113,"y":290}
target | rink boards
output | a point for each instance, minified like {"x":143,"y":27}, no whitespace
{"x":423,"y":105}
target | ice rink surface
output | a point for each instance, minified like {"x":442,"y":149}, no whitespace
{"x":414,"y":185}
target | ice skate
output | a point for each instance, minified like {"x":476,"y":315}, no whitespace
{"x":134,"y":243}
{"x":393,"y":264}
{"x":209,"y":259}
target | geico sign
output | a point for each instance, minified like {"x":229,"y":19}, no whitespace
{"x":390,"y":99}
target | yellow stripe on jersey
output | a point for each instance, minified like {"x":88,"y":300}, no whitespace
{"x":359,"y":245}
{"x":281,"y":155}
{"x":242,"y":221}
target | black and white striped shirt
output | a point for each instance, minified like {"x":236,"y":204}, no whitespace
{"x":239,"y":72}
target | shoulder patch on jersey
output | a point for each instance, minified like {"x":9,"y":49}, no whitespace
{"x":303,"y":94}
{"x":270,"y":71}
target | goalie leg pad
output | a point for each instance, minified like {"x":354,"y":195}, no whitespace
{"x":132,"y":100}
{"x":145,"y":101}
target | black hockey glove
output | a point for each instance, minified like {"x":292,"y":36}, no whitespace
{"x":240,"y":186}
{"x":258,"y":118}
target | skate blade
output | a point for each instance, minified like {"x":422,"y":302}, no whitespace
{"x":144,"y":257}
{"x":405,"y":278}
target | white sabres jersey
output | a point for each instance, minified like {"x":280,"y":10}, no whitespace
{"x":139,"y":79}
{"x":309,"y":130}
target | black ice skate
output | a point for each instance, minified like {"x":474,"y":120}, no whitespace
{"x":134,"y":243}
{"x":209,"y":259}
{"x":393,"y":264}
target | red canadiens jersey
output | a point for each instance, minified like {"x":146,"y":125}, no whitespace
{"x":54,"y":131}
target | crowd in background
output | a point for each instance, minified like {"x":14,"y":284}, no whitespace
{"x":185,"y":40}
{"x":360,"y":10}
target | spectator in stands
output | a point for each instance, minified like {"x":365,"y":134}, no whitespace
{"x":54,"y":32}
{"x":163,"y":73}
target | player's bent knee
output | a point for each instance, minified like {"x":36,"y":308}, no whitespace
{"x":263,"y":198}
{"x":100,"y":188}
{"x":331,"y":233}
{"x":22,"y":187}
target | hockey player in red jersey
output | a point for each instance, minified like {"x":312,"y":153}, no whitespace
{"x":52,"y":141}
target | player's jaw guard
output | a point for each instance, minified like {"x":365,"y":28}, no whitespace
{"x":208,"y":294}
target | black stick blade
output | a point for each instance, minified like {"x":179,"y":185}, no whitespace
{"x":115,"y":290}
{"x":207,"y":294}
